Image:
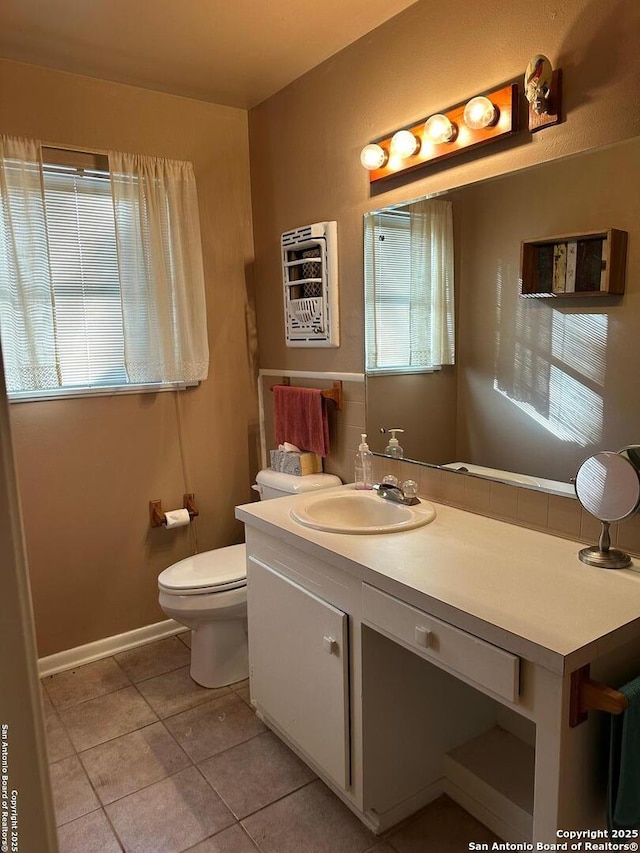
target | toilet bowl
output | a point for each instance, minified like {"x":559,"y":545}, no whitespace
{"x":208,"y":593}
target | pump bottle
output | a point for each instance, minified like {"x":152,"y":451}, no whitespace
{"x":393,"y":449}
{"x":364,"y":465}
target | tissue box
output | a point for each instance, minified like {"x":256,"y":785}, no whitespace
{"x":299,"y":464}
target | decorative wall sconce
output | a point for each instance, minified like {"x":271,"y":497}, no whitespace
{"x":476,"y":122}
{"x":542,"y":91}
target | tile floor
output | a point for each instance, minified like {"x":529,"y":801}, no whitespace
{"x":143,"y":760}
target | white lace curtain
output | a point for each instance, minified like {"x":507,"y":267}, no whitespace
{"x":159,"y":261}
{"x":160,"y":264}
{"x":27,"y":330}
{"x":432,"y":299}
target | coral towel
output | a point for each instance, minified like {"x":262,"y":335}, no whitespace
{"x":300,"y":417}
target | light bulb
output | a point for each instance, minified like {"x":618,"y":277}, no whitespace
{"x":439,"y":129}
{"x":480,"y":113}
{"x":373,"y":156}
{"x":404,"y":144}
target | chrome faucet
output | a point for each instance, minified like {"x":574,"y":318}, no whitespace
{"x":394,"y":493}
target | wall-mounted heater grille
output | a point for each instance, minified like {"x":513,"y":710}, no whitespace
{"x":310,"y":277}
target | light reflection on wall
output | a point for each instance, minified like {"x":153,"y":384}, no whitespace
{"x":551,"y":364}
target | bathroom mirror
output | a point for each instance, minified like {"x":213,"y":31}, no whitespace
{"x":608,"y":486}
{"x":538,"y":385}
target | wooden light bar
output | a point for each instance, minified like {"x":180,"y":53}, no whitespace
{"x":506,"y":101}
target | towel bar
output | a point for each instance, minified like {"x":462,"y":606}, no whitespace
{"x":334,"y":393}
{"x":588,"y":695}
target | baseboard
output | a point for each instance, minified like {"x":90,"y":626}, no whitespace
{"x":407,"y":808}
{"x":108,"y":646}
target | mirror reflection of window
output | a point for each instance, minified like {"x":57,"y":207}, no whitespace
{"x":409,"y":298}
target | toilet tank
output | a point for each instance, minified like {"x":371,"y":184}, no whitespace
{"x":275,"y":484}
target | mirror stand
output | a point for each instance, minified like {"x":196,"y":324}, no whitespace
{"x":608,"y":486}
{"x":602,"y":555}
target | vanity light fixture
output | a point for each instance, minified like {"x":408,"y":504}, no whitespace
{"x":440,"y":129}
{"x":444,"y":134}
{"x":480,"y":112}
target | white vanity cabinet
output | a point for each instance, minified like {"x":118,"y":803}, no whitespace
{"x":298,"y":649}
{"x":408,"y":665}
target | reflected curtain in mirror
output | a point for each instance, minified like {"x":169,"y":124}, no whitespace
{"x":409,"y":289}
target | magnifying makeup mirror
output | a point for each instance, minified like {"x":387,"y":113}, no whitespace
{"x":608,"y":486}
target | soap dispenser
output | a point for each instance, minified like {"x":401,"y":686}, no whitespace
{"x":393,"y":449}
{"x":364,"y":465}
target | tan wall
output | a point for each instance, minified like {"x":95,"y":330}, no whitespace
{"x":88,"y":467}
{"x":306,"y":140}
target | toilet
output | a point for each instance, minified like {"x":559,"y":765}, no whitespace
{"x":208,"y":592}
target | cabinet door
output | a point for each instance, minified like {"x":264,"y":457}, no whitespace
{"x":298,"y":655}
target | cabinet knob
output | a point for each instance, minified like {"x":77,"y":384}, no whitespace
{"x":423,"y":637}
{"x":329,"y":645}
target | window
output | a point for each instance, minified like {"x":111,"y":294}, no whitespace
{"x":409,"y":324}
{"x":101,"y":279}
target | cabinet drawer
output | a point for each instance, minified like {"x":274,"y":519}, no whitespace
{"x":454,"y":650}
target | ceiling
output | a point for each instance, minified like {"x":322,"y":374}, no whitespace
{"x":232,"y":52}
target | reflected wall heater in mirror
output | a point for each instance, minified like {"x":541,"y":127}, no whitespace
{"x":310,"y":278}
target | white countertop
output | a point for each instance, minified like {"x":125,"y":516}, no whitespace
{"x":520,"y":589}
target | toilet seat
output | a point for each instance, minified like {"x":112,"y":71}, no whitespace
{"x":214,"y":571}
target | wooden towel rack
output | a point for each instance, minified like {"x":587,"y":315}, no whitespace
{"x":334,"y":393}
{"x":588,"y":695}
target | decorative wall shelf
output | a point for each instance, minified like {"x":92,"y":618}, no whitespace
{"x":569,"y":265}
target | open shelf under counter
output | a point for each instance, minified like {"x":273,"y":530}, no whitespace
{"x":492,"y":777}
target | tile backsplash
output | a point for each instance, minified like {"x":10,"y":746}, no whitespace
{"x":554,"y":514}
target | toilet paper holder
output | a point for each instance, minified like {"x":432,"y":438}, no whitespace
{"x":156,"y":515}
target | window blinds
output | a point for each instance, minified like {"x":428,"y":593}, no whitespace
{"x":84,"y":273}
{"x":388,"y":284}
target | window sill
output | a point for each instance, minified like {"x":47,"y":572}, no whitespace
{"x":101,"y":391}
{"x":395,"y":371}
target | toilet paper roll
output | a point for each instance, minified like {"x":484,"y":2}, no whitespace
{"x":176,"y":518}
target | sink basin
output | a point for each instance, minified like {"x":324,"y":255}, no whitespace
{"x":359,"y":512}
